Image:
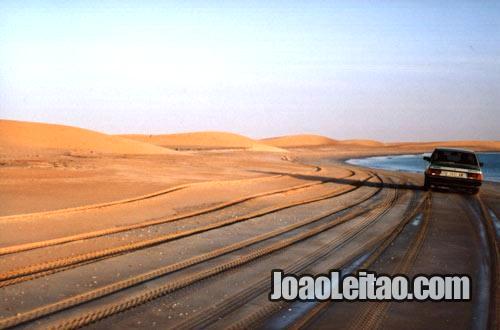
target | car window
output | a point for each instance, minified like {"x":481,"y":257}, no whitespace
{"x":458,"y":157}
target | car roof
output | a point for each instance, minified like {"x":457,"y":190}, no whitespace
{"x":455,"y":149}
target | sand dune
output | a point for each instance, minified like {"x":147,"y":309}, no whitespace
{"x":19,"y":135}
{"x":362,"y":143}
{"x":301,"y":140}
{"x":472,"y":144}
{"x":203,"y":141}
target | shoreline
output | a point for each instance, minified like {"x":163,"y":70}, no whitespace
{"x":386,"y":164}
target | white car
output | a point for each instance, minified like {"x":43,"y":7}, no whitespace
{"x":456,"y":168}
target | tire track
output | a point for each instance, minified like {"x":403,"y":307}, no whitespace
{"x":374,"y":313}
{"x":254,"y":319}
{"x":103,"y":232}
{"x":24,"y":216}
{"x":203,"y":319}
{"x":415,"y":208}
{"x":140,"y":298}
{"x":50,"y":266}
{"x":117,"y":286}
{"x":494,"y":262}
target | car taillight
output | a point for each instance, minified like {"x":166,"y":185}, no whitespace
{"x":475,"y":176}
{"x":433,"y":171}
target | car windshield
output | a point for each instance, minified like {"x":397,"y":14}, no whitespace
{"x":457,"y":157}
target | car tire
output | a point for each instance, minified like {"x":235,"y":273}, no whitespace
{"x":427,"y":184}
{"x":473,"y":191}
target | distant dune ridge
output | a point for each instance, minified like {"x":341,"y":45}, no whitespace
{"x":300,"y":140}
{"x":204,"y":140}
{"x":312,"y":140}
{"x":362,"y":143}
{"x":23,"y":136}
{"x":20,"y":135}
{"x":471,"y":144}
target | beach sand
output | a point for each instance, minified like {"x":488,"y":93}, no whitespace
{"x":70,"y":196}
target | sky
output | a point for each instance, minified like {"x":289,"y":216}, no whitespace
{"x":383,"y":70}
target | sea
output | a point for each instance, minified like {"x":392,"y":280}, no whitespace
{"x":415,"y":163}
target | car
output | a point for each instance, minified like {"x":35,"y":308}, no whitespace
{"x":453,"y":168}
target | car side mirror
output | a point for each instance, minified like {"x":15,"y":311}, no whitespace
{"x":427,"y":158}
{"x":481,"y":164}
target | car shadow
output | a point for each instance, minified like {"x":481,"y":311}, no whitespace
{"x":451,"y":190}
{"x":347,"y":181}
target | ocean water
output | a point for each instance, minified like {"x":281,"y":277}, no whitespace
{"x":415,"y":163}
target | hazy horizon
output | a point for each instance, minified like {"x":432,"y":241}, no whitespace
{"x":405,"y":71}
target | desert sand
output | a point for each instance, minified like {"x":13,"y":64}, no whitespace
{"x":366,"y":143}
{"x":204,"y":140}
{"x":311,"y":140}
{"x":19,"y":136}
{"x":123,"y":231}
{"x":301,"y":140}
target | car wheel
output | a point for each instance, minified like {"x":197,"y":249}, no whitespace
{"x":473,"y":191}
{"x":427,"y":184}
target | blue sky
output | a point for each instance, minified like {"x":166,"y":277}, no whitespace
{"x":385,"y":70}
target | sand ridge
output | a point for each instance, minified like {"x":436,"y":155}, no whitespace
{"x":471,"y":144}
{"x":360,"y":142}
{"x":313,"y":140}
{"x":299,"y":140}
{"x":204,"y":140}
{"x":20,"y":135}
